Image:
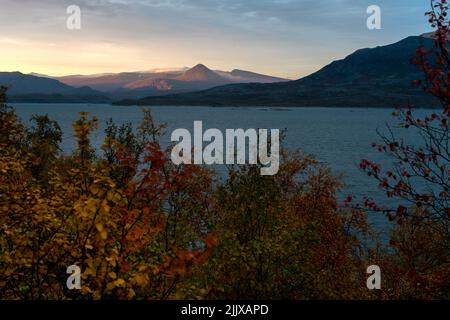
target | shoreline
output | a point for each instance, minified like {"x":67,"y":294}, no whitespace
{"x":271,"y":108}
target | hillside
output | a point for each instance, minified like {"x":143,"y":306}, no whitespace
{"x":377,"y":77}
{"x":32,"y":88}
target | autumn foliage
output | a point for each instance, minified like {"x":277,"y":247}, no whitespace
{"x":141,"y":228}
{"x":133,"y":225}
{"x":419,"y":262}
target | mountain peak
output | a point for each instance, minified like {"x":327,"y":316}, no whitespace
{"x":200,"y":73}
{"x":200,"y":66}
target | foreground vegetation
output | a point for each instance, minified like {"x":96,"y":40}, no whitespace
{"x":141,"y":228}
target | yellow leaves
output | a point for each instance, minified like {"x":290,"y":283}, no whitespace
{"x":110,"y":195}
{"x":83,"y":128}
{"x":120,"y":282}
{"x":112,"y":275}
{"x":105,"y":208}
{"x":92,"y":204}
{"x":112,"y":261}
{"x":102,"y":231}
{"x":85,"y":290}
{"x":131,"y":294}
{"x":142,"y":268}
{"x":87,"y":208}
{"x":141,"y":279}
{"x":99,"y":227}
{"x":114,"y":196}
{"x":113,"y":258}
{"x":94,"y":189}
{"x":97,"y":295}
{"x":90,"y":271}
{"x":110,"y":286}
{"x":114,"y":284}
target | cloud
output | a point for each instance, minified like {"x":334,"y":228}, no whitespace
{"x":335,"y":16}
{"x":292,"y":35}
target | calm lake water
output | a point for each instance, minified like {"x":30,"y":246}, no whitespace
{"x":339,"y":137}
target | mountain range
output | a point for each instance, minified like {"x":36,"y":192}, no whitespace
{"x":132,"y":85}
{"x":160,"y":82}
{"x":371,"y":77}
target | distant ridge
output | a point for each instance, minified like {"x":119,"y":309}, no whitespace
{"x":163,"y":81}
{"x":31,"y":88}
{"x":201,"y":73}
{"x":376,"y":77}
{"x":105,"y":87}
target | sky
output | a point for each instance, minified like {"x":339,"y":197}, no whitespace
{"x":285,"y":38}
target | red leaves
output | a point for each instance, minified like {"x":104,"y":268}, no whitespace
{"x":393,"y":146}
{"x":405,"y":174}
{"x":371,"y":204}
{"x":184,"y":260}
{"x":401,"y":210}
{"x":371,"y":167}
{"x":155,"y":156}
{"x":384,"y":184}
{"x":420,"y":155}
{"x":425,"y":163}
{"x":210,"y":240}
{"x":347,"y":201}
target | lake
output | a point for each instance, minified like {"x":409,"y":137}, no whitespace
{"x":339,"y":137}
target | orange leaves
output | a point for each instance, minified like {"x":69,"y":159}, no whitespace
{"x":102,"y":231}
{"x":184,"y":260}
{"x":210,"y":240}
{"x":155,"y":156}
